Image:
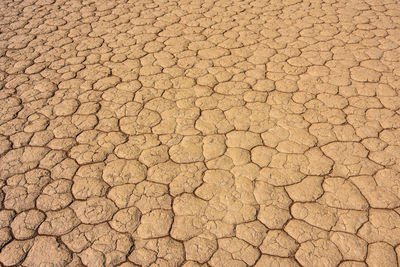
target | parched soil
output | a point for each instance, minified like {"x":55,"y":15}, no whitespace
{"x":200,"y":133}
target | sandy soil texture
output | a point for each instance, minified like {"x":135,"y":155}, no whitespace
{"x":200,"y":133}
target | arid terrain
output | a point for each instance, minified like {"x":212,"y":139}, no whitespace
{"x":200,"y":133}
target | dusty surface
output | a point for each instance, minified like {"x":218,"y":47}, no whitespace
{"x":200,"y":133}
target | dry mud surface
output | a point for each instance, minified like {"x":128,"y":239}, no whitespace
{"x":200,"y":133}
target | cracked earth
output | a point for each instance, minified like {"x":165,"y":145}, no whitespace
{"x":200,"y":133}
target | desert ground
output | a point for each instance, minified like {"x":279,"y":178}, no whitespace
{"x":200,"y":133}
